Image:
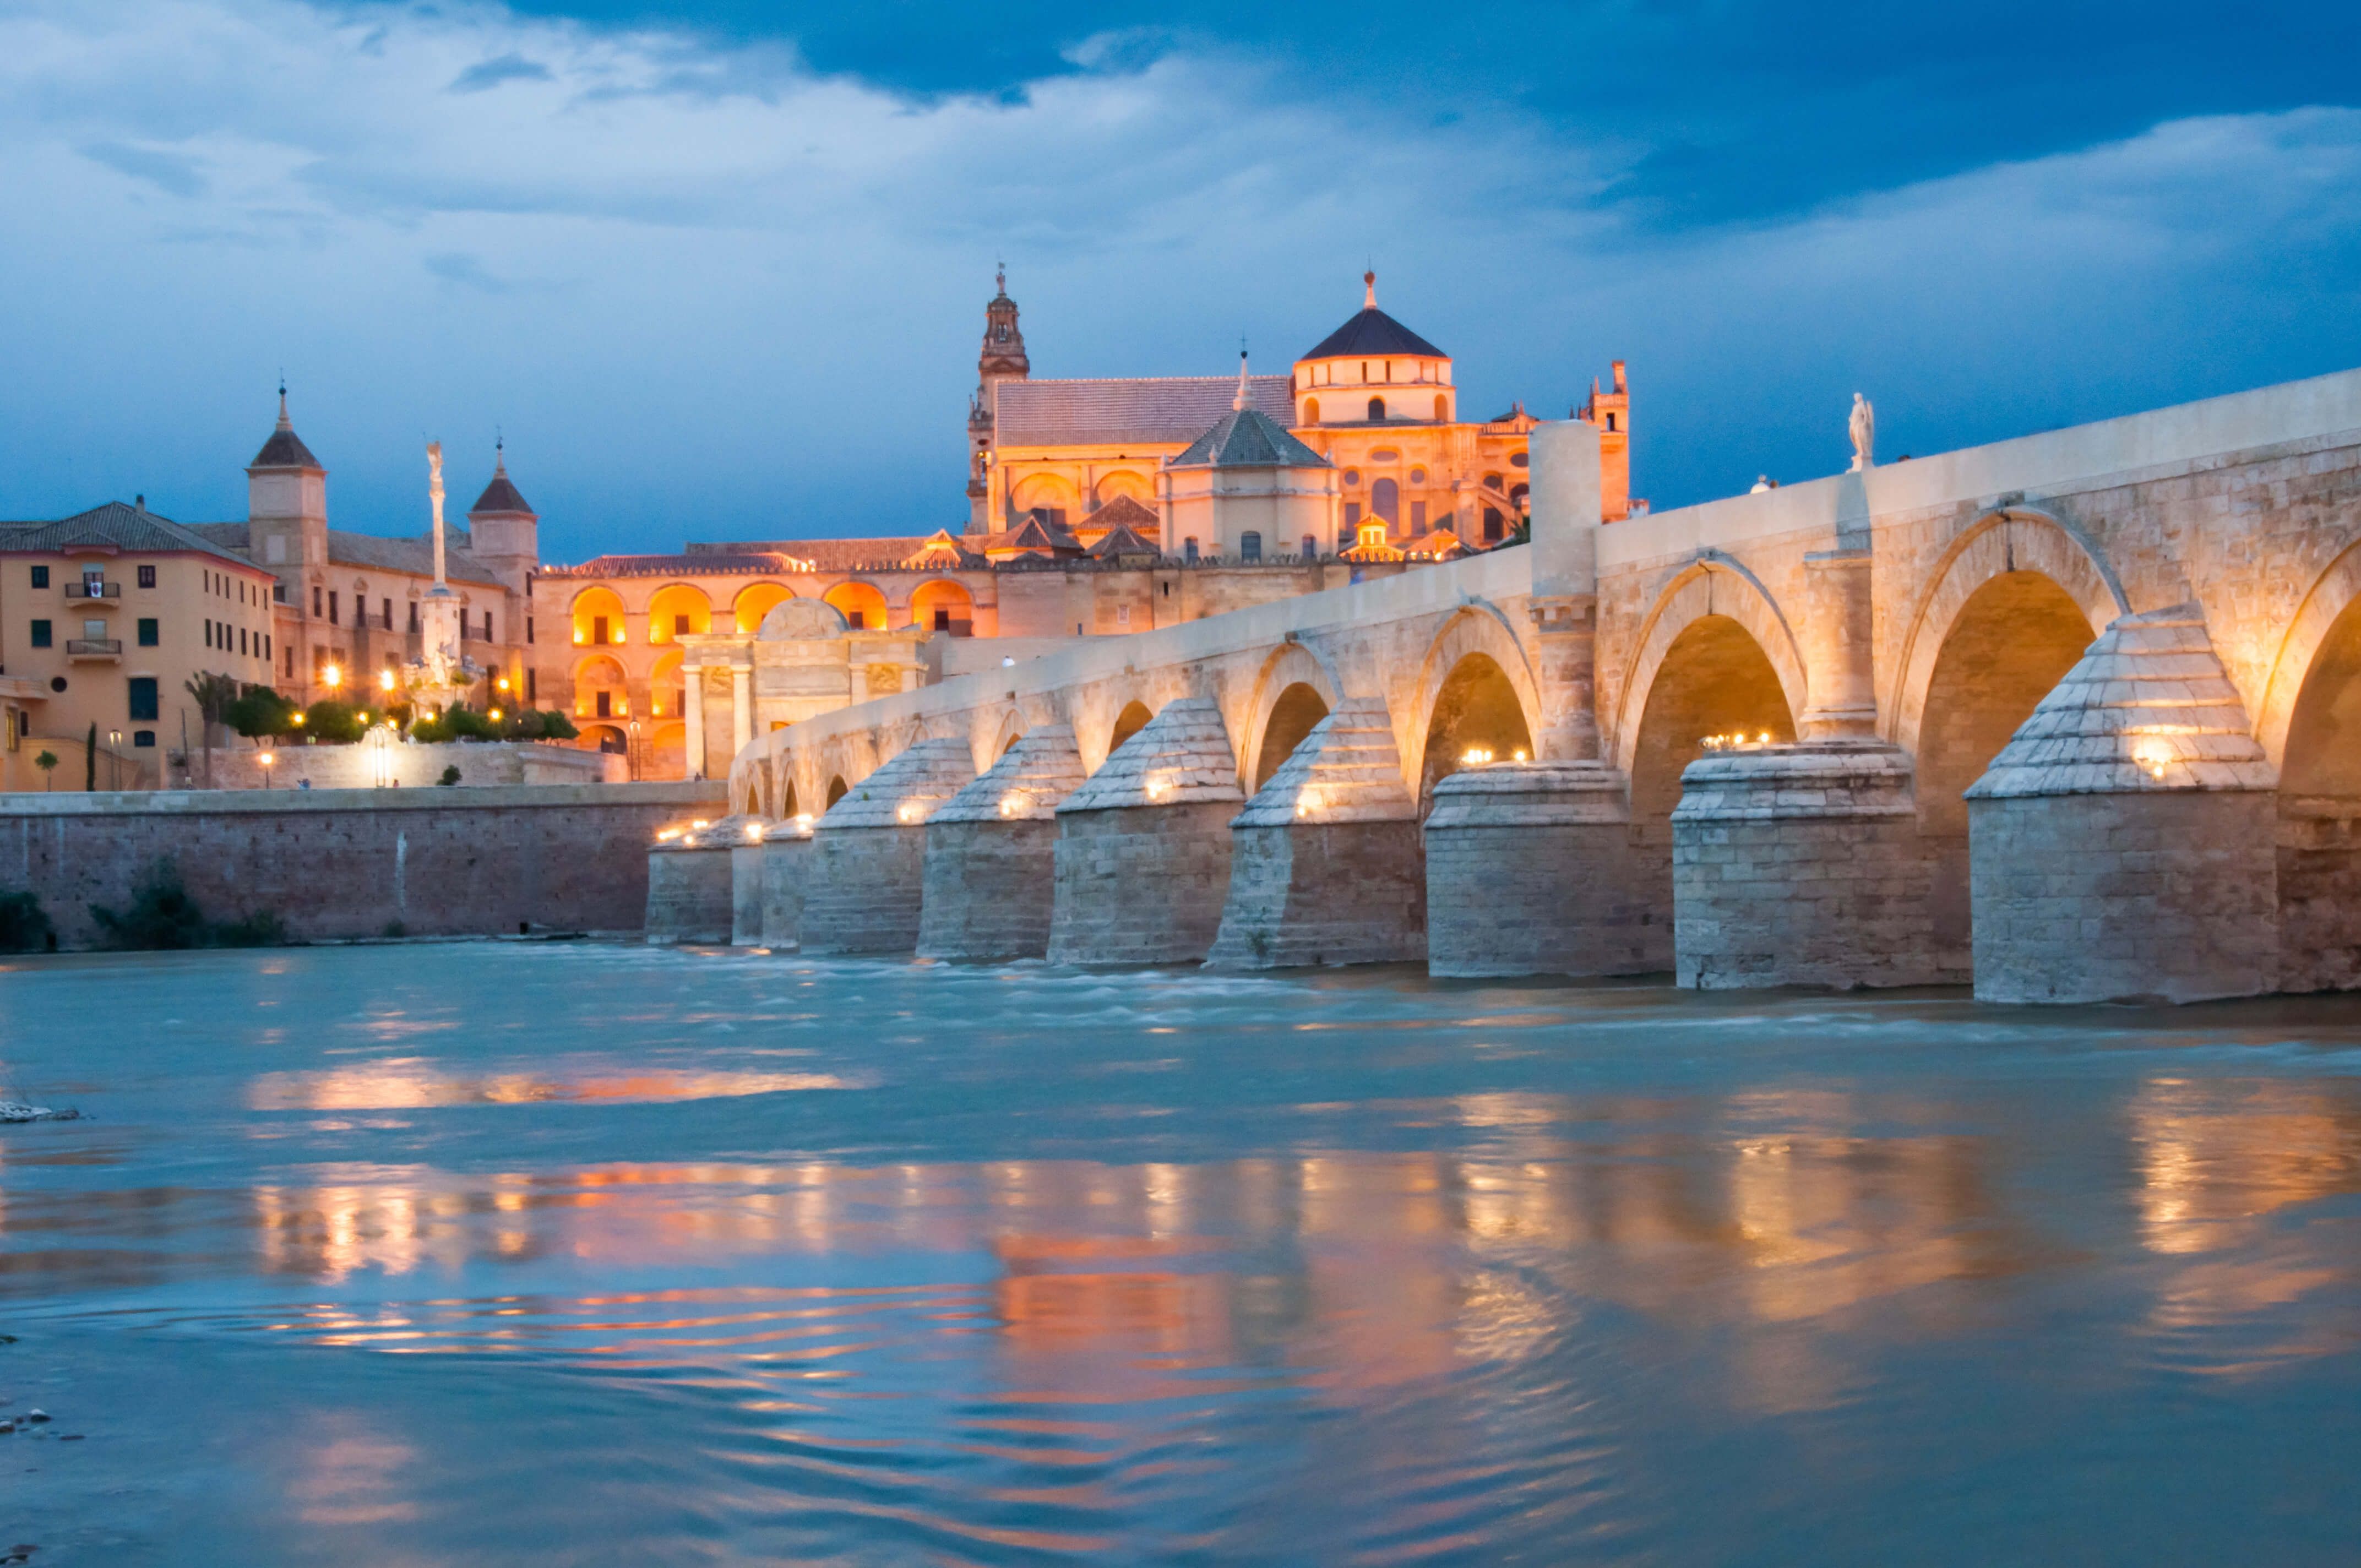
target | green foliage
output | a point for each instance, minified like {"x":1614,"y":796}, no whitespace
{"x":213,"y":694}
{"x":334,"y":723}
{"x":90,"y":759}
{"x":450,"y":776}
{"x":23,"y":924}
{"x":260,"y":713}
{"x":164,"y":917}
{"x":46,"y":760}
{"x":555,"y":726}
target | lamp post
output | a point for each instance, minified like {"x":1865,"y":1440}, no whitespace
{"x":631,"y":750}
{"x":115,"y":758}
{"x":266,"y":758}
{"x":331,"y":677}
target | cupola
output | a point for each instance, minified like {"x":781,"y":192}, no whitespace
{"x":1374,"y":371}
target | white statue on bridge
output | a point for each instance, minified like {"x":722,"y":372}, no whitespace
{"x":1863,"y":426}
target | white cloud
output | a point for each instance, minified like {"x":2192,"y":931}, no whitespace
{"x":710,"y":292}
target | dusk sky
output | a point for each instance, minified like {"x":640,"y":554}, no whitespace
{"x":717,"y":269}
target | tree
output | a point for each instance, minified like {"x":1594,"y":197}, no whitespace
{"x":260,"y":713}
{"x":46,"y":762}
{"x":334,"y":723}
{"x":90,"y":760}
{"x":213,"y":694}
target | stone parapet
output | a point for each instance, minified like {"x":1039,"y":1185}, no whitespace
{"x":693,"y":880}
{"x":2125,"y":843}
{"x":1324,"y":861}
{"x":991,"y":862}
{"x":1803,"y":865}
{"x":1143,"y":853}
{"x":1532,"y":868}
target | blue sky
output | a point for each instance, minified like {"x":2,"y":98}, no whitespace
{"x":717,"y":270}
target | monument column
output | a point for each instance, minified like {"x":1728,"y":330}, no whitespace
{"x":741,"y":709}
{"x":692,"y":713}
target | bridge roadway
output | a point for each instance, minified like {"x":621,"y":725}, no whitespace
{"x":2076,"y":714}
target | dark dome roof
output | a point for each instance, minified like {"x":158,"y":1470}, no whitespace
{"x":285,"y":449}
{"x":500,"y":495}
{"x":1374,"y":333}
{"x":1248,"y":438}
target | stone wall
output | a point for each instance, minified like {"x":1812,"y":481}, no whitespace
{"x":1323,"y":893}
{"x":862,"y":889}
{"x":689,"y":894}
{"x":2319,"y":893}
{"x":341,"y":863}
{"x":413,"y":767}
{"x":786,"y":857}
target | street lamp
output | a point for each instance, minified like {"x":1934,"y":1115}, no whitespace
{"x":331,"y":677}
{"x":385,"y":679}
{"x":266,"y":758}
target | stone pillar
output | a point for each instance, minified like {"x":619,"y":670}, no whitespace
{"x":741,"y":709}
{"x":1143,"y":856}
{"x":1838,"y":672}
{"x":2122,"y":844}
{"x":1532,"y":868}
{"x":689,"y":884}
{"x":990,"y":870}
{"x":692,"y":714}
{"x":1564,"y":605}
{"x":1325,"y":865}
{"x":1802,"y":865}
{"x":865,"y":881}
{"x":787,"y":853}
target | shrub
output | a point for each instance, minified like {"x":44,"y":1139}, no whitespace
{"x":555,"y":726}
{"x":23,"y":924}
{"x":450,"y":776}
{"x":334,"y":723}
{"x":260,"y":713}
{"x":164,"y":917}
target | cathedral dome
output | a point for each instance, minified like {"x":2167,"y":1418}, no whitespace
{"x":1373,"y":370}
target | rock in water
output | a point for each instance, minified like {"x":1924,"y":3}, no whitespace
{"x":18,"y":1111}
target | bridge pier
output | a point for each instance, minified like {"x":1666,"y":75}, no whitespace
{"x":689,"y":884}
{"x":1324,"y":861}
{"x":865,"y":881}
{"x":2123,"y":845}
{"x":1803,"y":865}
{"x":787,"y":853}
{"x":746,"y":883}
{"x":1143,"y":854}
{"x":990,"y":861}
{"x":1532,"y":869}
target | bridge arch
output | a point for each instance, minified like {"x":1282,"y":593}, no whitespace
{"x":1719,"y":590}
{"x":2014,"y":542}
{"x":1475,"y":688}
{"x":2311,"y":659}
{"x":1129,"y":721}
{"x":1293,"y":692}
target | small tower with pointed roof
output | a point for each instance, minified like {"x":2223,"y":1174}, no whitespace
{"x":287,"y":503}
{"x":1247,"y":490}
{"x":504,"y":531}
{"x":1002,"y":359}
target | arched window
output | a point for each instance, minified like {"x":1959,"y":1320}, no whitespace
{"x":1311,"y":548}
{"x":1493,"y":481}
{"x":1249,"y":545}
{"x":1189,"y":549}
{"x":1610,"y":422}
{"x":1376,"y":408}
{"x":1442,"y":408}
{"x":1521,"y":459}
{"x":1385,"y":500}
{"x":1494,"y":527}
{"x":1311,"y":410}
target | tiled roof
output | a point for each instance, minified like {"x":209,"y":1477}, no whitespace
{"x":885,"y":553}
{"x":2149,"y":707}
{"x":414,"y":557}
{"x":1146,"y":409}
{"x":1249,"y":438}
{"x":1374,"y":333}
{"x":118,"y":527}
{"x":285,"y":449}
{"x":501,"y":494}
{"x":1042,"y":769}
{"x":1121,"y":541}
{"x":1121,"y":512}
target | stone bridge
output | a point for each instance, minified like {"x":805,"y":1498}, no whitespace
{"x":2072,"y":713}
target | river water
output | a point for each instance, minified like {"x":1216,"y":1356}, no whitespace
{"x":527,"y":1254}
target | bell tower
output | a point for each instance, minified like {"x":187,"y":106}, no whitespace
{"x":287,"y":505}
{"x":1611,"y":412}
{"x":1002,"y":359}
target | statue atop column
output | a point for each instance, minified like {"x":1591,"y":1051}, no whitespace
{"x":1863,"y":428}
{"x":441,"y":669}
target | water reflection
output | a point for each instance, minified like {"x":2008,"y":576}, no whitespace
{"x":415,"y":1083}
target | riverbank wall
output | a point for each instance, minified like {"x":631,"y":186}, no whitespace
{"x":360,"y":862}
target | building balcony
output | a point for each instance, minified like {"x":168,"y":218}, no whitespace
{"x":94,"y":648}
{"x":94,"y":590}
